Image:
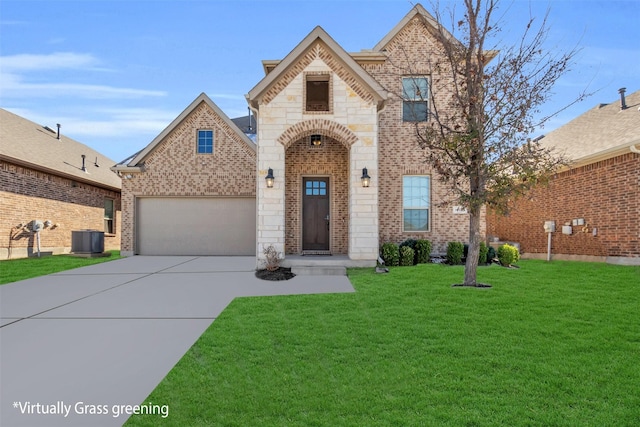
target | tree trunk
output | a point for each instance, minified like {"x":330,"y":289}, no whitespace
{"x":471,"y":266}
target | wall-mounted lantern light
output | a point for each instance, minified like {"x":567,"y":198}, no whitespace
{"x":269,"y":178}
{"x":366,"y":179}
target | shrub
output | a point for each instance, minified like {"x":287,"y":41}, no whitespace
{"x":407,"y":256}
{"x":482,"y":256}
{"x":423,"y":251}
{"x":390,"y":254}
{"x":508,"y":254}
{"x":411,"y":243}
{"x":454,"y":253}
{"x":491,"y":254}
{"x":272,"y":258}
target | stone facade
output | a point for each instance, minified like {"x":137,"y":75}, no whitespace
{"x":28,"y":194}
{"x":351,"y":123}
{"x":175,"y":169}
{"x":606,"y":194}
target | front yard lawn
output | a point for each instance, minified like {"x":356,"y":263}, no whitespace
{"x":550,"y":344}
{"x":26,"y":268}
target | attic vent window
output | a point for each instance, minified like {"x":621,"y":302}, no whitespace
{"x":317,"y":92}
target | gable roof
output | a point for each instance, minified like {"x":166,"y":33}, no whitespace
{"x":604,"y":131}
{"x":378,"y":92}
{"x":135,"y":162}
{"x":417,"y":10}
{"x":34,"y":146}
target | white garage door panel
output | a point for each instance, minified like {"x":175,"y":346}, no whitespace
{"x":196,"y":226}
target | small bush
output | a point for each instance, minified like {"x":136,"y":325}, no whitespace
{"x":412,"y":244}
{"x":454,"y":253}
{"x":491,"y":254}
{"x":482,"y":256}
{"x":508,"y":254}
{"x":423,"y":251}
{"x":407,"y":256}
{"x":272,"y":258}
{"x":390,"y":254}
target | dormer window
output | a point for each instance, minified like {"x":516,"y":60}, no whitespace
{"x":317,"y":92}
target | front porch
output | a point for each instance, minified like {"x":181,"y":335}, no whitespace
{"x":329,"y":265}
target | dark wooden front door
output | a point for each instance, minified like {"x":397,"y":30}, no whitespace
{"x":315,"y":214}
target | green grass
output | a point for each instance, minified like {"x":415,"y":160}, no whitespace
{"x":550,"y":344}
{"x":26,"y":268}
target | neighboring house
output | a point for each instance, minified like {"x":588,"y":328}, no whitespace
{"x":595,"y":202}
{"x":326,"y":120}
{"x":48,"y":177}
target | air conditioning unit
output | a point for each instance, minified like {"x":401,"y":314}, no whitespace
{"x":87,"y":242}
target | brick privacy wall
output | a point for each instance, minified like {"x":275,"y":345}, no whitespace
{"x":175,"y":169}
{"x":606,"y":194}
{"x":332,"y":160}
{"x":28,"y":195}
{"x":411,"y":52}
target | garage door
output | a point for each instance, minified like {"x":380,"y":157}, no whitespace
{"x":196,"y":226}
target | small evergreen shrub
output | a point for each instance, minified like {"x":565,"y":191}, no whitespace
{"x":482,"y":256}
{"x":407,"y":256}
{"x":390,"y":254}
{"x":412,"y":244}
{"x":491,"y":254}
{"x":455,"y":251}
{"x":508,"y":254}
{"x":423,"y":251}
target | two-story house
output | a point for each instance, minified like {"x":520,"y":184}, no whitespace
{"x":336,"y":168}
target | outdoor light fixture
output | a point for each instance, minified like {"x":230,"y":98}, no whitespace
{"x":316,"y":140}
{"x":366,"y":179}
{"x":269,"y":178}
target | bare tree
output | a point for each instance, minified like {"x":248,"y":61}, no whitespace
{"x":478,"y":138}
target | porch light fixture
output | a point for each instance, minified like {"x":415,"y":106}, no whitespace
{"x":269,"y":178}
{"x":316,"y":140}
{"x":366,"y":179}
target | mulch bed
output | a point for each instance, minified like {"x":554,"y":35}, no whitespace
{"x":280,"y":274}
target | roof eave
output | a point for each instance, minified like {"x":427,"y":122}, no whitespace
{"x":59,"y":173}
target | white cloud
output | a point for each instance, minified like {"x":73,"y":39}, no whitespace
{"x":58,"y":60}
{"x":14,"y":81}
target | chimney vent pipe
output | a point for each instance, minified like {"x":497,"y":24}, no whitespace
{"x":84,"y":168}
{"x":623,"y":102}
{"x":59,"y":126}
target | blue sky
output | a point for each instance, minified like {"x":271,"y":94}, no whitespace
{"x":116,"y":73}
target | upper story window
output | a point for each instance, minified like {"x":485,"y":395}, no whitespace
{"x":205,"y":141}
{"x":108,"y":216}
{"x":415,"y":96}
{"x":317,"y":92}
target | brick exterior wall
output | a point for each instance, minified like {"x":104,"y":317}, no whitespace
{"x":332,"y":160}
{"x":28,"y":194}
{"x":175,"y":169}
{"x":606,"y":194}
{"x":411,"y":52}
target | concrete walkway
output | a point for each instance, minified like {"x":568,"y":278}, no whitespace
{"x":89,"y":340}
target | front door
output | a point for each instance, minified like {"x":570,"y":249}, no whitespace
{"x":315,"y":214}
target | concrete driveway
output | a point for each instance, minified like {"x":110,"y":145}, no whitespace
{"x":76,"y":345}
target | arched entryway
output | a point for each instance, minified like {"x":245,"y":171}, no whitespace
{"x":317,"y":190}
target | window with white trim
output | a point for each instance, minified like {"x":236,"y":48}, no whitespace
{"x":205,"y":141}
{"x":415,"y":99}
{"x":108,"y":216}
{"x":416,"y":196}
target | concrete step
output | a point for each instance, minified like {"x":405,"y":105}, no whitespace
{"x":319,"y":270}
